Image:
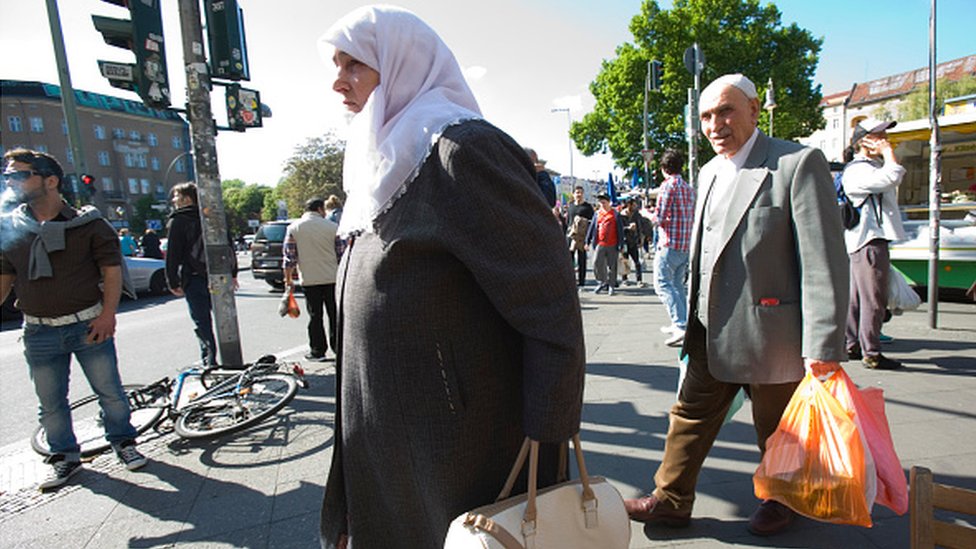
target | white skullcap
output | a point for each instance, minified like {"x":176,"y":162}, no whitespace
{"x":737,"y":80}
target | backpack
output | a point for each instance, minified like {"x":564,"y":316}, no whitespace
{"x":850,"y":214}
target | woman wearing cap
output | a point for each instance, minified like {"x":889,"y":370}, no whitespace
{"x":460,"y":327}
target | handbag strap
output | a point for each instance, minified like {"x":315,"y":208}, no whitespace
{"x":492,"y":528}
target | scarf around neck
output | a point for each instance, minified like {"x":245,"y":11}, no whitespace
{"x":421,"y":93}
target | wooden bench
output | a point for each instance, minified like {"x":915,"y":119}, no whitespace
{"x":926,"y":531}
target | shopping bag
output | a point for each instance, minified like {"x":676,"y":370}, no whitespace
{"x":289,"y":305}
{"x":867,"y":406}
{"x":900,"y":294}
{"x":815,"y":460}
{"x":584,"y":513}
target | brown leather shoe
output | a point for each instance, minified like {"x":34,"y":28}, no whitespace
{"x":651,"y":510}
{"x":771,"y":517}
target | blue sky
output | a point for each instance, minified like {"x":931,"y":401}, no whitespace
{"x":523,"y":58}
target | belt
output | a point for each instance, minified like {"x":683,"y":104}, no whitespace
{"x":80,"y":316}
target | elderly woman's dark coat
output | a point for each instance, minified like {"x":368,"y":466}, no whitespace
{"x":460,"y":334}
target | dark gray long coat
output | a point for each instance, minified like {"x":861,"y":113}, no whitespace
{"x":461,"y":333}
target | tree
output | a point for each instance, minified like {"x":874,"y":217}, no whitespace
{"x":142,"y":211}
{"x":243,"y":202}
{"x":315,"y":169}
{"x":735,"y":36}
{"x":916,"y":104}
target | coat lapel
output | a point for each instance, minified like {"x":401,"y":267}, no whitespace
{"x":747,"y":183}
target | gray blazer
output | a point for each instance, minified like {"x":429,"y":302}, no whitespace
{"x":779,"y":287}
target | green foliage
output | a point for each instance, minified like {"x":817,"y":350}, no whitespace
{"x":916,"y":104}
{"x":243,"y":202}
{"x":315,"y":169}
{"x":735,"y":36}
{"x":142,"y":210}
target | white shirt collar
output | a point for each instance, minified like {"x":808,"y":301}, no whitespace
{"x":739,"y":158}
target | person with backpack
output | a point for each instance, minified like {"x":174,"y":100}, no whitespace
{"x":186,"y":266}
{"x":870,"y":182}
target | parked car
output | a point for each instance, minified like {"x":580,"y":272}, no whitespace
{"x":267,"y":256}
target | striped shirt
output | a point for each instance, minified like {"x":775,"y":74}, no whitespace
{"x":675,"y":213}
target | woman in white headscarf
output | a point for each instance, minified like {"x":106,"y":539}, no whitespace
{"x":460,"y":328}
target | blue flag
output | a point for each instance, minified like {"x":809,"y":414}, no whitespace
{"x":611,"y":190}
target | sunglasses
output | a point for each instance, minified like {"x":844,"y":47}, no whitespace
{"x":19,"y":175}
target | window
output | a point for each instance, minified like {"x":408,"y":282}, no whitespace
{"x":14,"y":123}
{"x":41,"y":148}
{"x":152,"y":139}
{"x":107,"y":184}
{"x":130,"y":160}
{"x":133,"y":185}
{"x":37,"y":124}
{"x":179,"y":166}
{"x":64,"y":127}
{"x":135,"y":136}
{"x":177,"y":142}
{"x":99,"y":132}
{"x":154,"y":163}
{"x":836,"y":123}
{"x":104,"y":159}
{"x":145,"y":186}
{"x":118,"y":133}
{"x":160,"y":191}
{"x":141,"y":160}
{"x":69,"y":155}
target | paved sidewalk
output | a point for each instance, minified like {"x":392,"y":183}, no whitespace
{"x":262,"y":488}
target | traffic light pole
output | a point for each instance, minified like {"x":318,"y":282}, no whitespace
{"x":214,"y":221}
{"x":68,"y":103}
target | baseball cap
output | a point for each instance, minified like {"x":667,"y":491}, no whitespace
{"x":868,"y":126}
{"x":603,"y":196}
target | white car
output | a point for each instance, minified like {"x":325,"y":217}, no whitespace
{"x":147,"y":274}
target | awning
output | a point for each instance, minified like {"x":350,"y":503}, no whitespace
{"x":920,"y":130}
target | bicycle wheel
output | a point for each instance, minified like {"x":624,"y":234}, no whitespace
{"x":263,"y":397}
{"x":86,"y":422}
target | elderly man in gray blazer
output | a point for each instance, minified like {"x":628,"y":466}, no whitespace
{"x":768,"y":294}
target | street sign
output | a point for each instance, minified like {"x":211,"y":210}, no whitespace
{"x":154,"y":224}
{"x":117,"y":71}
{"x":254,"y":223}
{"x":243,"y":108}
{"x":648,"y":155}
{"x":693,"y":65}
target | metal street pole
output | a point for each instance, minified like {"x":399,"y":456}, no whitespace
{"x":695,"y":62}
{"x":645,"y":144}
{"x":935,"y":182}
{"x":215,"y":237}
{"x":569,"y":138}
{"x":68,"y":103}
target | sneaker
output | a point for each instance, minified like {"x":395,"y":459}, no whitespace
{"x":668,"y":329}
{"x":598,"y":288}
{"x":676,"y":339}
{"x":610,"y":291}
{"x":129,"y":455}
{"x":880,"y":362}
{"x":885,"y":338}
{"x":61,"y":471}
{"x":312,"y":357}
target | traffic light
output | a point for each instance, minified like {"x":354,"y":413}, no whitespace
{"x":143,"y":34}
{"x":88,"y":183}
{"x":225,"y":36}
{"x":657,"y":75}
{"x":243,"y":108}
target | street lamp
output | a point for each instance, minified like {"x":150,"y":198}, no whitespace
{"x":569,"y":122}
{"x":770,"y":103}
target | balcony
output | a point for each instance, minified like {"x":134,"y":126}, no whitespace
{"x":117,"y":196}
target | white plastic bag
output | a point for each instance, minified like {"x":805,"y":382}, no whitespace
{"x":900,"y":294}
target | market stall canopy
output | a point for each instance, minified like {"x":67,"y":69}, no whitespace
{"x":955,"y":128}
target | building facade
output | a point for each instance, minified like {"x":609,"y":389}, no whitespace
{"x":132,"y":151}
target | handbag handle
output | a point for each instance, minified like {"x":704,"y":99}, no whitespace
{"x":531,"y":447}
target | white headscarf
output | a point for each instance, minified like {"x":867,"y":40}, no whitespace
{"x":421,"y":92}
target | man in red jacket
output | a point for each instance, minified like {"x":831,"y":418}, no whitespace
{"x":606,"y":234}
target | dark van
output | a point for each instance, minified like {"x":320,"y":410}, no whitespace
{"x":267,"y":256}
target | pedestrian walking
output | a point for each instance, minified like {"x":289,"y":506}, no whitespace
{"x":606,"y":236}
{"x":66,"y":268}
{"x":127,"y":243}
{"x":150,"y":244}
{"x":769,"y":282}
{"x":871,"y":182}
{"x":460,"y":324}
{"x":674,"y":215}
{"x":312,"y":247}
{"x":579,"y":215}
{"x":186,"y":266}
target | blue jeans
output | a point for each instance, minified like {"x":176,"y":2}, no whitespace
{"x":48,"y":350}
{"x":670,"y":271}
{"x":197,"y":292}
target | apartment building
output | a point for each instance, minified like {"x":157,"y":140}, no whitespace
{"x":132,"y":151}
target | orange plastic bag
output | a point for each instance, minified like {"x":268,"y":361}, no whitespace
{"x":293,"y":310}
{"x":815,"y":461}
{"x":867,"y":405}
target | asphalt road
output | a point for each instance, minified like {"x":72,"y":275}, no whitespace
{"x":154,"y":338}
